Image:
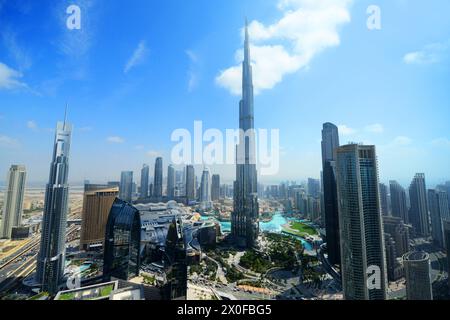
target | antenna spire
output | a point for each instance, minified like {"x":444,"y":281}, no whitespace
{"x":65,"y":115}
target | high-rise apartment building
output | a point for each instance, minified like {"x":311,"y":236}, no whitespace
{"x":399,"y":206}
{"x":190,"y":183}
{"x":97,"y":203}
{"x":418,"y":213}
{"x":158,"y":178}
{"x":215,"y":187}
{"x":126,"y":186}
{"x":171,"y":182}
{"x":145,"y":176}
{"x":384,"y":199}
{"x":438,"y":205}
{"x":360,"y":223}
{"x":330,"y":141}
{"x":205,"y":191}
{"x":13,"y":203}
{"x":418,"y":276}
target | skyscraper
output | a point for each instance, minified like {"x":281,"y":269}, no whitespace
{"x":384,"y":199}
{"x":171,"y":181}
{"x":205,"y":190}
{"x":122,"y":242}
{"x":175,"y":262}
{"x":314,"y":188}
{"x":126,"y":186}
{"x":245,"y":215}
{"x":190,"y":183}
{"x":360,"y":221}
{"x":330,"y":141}
{"x":418,"y":214}
{"x":51,"y":257}
{"x":398,"y":201}
{"x":417,"y":274}
{"x":158,"y":182}
{"x":97,"y":203}
{"x":438,"y":205}
{"x":215,"y":187}
{"x":145,"y":173}
{"x":446,"y":227}
{"x":13,"y":203}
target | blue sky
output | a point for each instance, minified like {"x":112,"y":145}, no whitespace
{"x":138,"y":70}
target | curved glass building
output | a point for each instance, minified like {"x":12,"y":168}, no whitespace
{"x":122,"y":242}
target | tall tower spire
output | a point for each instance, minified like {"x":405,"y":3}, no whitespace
{"x":244,"y":219}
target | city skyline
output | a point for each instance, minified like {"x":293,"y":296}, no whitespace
{"x":406,"y":80}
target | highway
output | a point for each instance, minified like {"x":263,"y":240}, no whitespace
{"x":22,"y":263}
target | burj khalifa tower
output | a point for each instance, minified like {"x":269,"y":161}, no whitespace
{"x":245,"y":216}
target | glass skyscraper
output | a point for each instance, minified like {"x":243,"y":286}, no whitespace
{"x":245,"y":215}
{"x":205,"y":190}
{"x":171,"y":182}
{"x":122,"y":242}
{"x":126,"y":186}
{"x":51,"y":257}
{"x":399,"y":205}
{"x":418,"y":214}
{"x":360,"y":223}
{"x":175,"y":262}
{"x":158,"y":182}
{"x":145,"y":172}
{"x":330,"y":141}
{"x":13,"y":203}
{"x":190,"y":183}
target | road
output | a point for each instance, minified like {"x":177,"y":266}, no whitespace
{"x":22,"y":264}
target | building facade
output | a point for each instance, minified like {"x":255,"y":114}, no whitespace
{"x":360,"y":222}
{"x":330,"y":141}
{"x":215,"y":187}
{"x":13,"y":202}
{"x":439,"y":211}
{"x":126,"y":186}
{"x":51,"y":257}
{"x":245,"y":215}
{"x":158,"y":179}
{"x":418,"y":213}
{"x":171,"y":182}
{"x":190,"y":183}
{"x":417,"y":274}
{"x":122,"y":242}
{"x":97,"y":203}
{"x":399,"y":205}
{"x":145,"y":176}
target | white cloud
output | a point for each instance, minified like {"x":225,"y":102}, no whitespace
{"x":32,"y":125}
{"x":137,"y":57}
{"x":10,"y":78}
{"x":430,"y":54}
{"x":85,"y":129}
{"x":401,"y":141}
{"x":192,"y":74}
{"x":115,"y":139}
{"x":346,"y":131}
{"x":307,"y":27}
{"x":375,"y":128}
{"x":153,"y":154}
{"x":441,"y":142}
{"x":8,"y":142}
